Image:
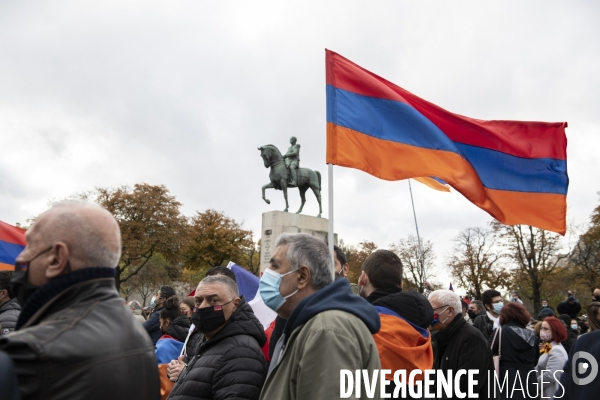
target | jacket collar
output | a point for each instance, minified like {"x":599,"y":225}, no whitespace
{"x":444,"y":336}
{"x":379,"y":293}
{"x":47,"y":294}
{"x":335,"y":296}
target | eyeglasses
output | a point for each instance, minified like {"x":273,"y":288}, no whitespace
{"x":23,"y":266}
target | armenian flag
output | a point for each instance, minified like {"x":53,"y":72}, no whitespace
{"x":12,"y":242}
{"x":514,"y":170}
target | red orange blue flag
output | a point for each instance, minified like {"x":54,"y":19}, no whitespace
{"x":514,"y":170}
{"x":12,"y":242}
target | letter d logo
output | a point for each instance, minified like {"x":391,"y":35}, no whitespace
{"x":583,"y":367}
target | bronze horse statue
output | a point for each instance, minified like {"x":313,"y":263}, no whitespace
{"x":279,"y":175}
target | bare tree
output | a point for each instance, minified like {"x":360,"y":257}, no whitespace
{"x":476,"y":262}
{"x":535,"y":252}
{"x":408,"y":251}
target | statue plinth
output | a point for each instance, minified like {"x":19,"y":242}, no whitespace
{"x":274,"y":223}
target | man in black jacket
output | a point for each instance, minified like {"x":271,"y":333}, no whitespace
{"x":9,"y":306}
{"x":66,"y":345}
{"x":152,"y":324}
{"x":487,"y":322}
{"x":580,"y":379}
{"x":460,"y":346}
{"x":229,"y":363}
{"x":571,"y":307}
{"x":195,"y":337}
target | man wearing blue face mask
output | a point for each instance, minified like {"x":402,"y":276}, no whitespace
{"x":328,"y":328}
{"x":493,"y":303}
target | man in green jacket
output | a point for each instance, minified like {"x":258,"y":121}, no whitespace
{"x":328,"y":328}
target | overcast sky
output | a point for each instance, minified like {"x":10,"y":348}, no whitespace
{"x":182,"y":93}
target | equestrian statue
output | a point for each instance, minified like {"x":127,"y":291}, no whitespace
{"x":286,"y":173}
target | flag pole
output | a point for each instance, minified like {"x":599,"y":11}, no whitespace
{"x":418,"y":237}
{"x":330,"y":226}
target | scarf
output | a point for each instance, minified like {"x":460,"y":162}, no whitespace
{"x":57,"y":286}
{"x":545,"y":347}
{"x":495,"y":320}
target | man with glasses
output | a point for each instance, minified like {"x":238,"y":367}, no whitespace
{"x":459,"y":346}
{"x":229,"y":364}
{"x":65,"y":344}
{"x":493,"y":303}
{"x":152,"y":324}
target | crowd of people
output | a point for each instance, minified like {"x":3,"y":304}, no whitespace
{"x":67,"y":334}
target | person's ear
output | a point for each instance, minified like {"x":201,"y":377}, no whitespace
{"x":59,"y":260}
{"x":236,"y":302}
{"x":361,"y":278}
{"x":346,"y":269}
{"x":304,"y":277}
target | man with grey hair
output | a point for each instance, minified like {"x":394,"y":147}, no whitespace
{"x":229,"y":364}
{"x":328,"y":328}
{"x":65,"y":344}
{"x":458,"y":345}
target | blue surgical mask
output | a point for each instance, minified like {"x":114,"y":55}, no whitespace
{"x":574,"y":327}
{"x":269,"y":289}
{"x":498,"y":307}
{"x":152,"y":302}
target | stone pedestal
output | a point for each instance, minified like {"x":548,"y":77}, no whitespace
{"x":274,"y":223}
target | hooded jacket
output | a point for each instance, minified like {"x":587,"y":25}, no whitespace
{"x":9,"y":315}
{"x":152,"y":325}
{"x":230,"y":365}
{"x":403,"y":340}
{"x":170,"y":344}
{"x":328,"y":331}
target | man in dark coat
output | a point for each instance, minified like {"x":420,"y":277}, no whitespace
{"x":459,"y":345}
{"x":194,"y":338}
{"x":229,"y":364}
{"x":152,"y":324}
{"x":75,"y":337}
{"x":488,"y":321}
{"x":9,"y":306}
{"x":571,"y":307}
{"x":585,"y":388}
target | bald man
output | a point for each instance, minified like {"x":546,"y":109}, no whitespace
{"x":75,"y":337}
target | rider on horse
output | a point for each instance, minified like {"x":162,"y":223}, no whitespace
{"x":292,"y":160}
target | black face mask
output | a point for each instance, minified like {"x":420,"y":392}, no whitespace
{"x":472,"y":314}
{"x":18,"y":282}
{"x":207,"y":319}
{"x":19,"y":286}
{"x":596,"y":298}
